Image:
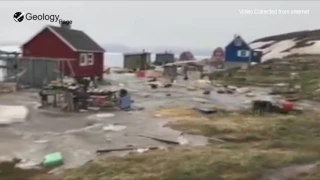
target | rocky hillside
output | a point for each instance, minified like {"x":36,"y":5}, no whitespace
{"x":289,"y":44}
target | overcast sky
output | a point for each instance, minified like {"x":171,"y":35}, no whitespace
{"x":160,"y":23}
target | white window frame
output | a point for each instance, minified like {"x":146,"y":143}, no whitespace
{"x":83,"y":56}
{"x":90,"y":59}
{"x":243,"y":53}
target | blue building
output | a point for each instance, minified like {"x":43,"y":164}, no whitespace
{"x":239,"y":51}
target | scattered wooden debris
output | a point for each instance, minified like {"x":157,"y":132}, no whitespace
{"x":115,"y":149}
{"x":127,"y":149}
{"x":206,"y":110}
{"x":161,"y":140}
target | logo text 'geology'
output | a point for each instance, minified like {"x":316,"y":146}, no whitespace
{"x":43,"y":16}
{"x":20,"y":16}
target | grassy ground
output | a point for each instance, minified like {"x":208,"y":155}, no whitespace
{"x":279,"y":71}
{"x":249,"y":147}
{"x":8,"y":171}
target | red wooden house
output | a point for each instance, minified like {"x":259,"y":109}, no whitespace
{"x":64,"y":42}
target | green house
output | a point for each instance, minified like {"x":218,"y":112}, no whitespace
{"x":137,"y":61}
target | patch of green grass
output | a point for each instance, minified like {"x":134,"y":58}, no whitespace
{"x":259,"y":75}
{"x":275,"y":130}
{"x":8,"y":171}
{"x":200,"y":163}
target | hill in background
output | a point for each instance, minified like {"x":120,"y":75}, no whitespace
{"x":288,"y":44}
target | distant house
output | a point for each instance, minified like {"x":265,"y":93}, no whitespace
{"x":64,"y":42}
{"x":238,"y":51}
{"x":137,"y":61}
{"x":186,"y":56}
{"x":164,"y":58}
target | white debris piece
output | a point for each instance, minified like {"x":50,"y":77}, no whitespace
{"x":100,"y":116}
{"x":243,"y":90}
{"x":142,"y":150}
{"x":114,"y":128}
{"x":200,"y":100}
{"x":182,"y":140}
{"x":232,"y":87}
{"x":24,"y":164}
{"x":13,"y":114}
{"x":93,"y":127}
{"x":190,"y":88}
{"x":41,"y":141}
{"x":250,"y":95}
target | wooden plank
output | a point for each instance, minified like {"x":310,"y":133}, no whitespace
{"x":161,"y":140}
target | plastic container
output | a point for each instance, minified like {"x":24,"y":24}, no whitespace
{"x":53,"y":160}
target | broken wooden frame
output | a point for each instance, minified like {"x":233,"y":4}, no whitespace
{"x":17,"y":67}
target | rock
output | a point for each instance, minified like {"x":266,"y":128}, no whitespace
{"x":167,"y":85}
{"x":153,"y":86}
{"x":229,"y":91}
{"x":206,"y":92}
{"x":221,"y":91}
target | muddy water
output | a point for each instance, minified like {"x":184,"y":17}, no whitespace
{"x":50,"y":131}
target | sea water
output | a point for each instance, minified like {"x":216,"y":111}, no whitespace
{"x":111,"y":59}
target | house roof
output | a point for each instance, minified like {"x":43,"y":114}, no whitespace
{"x":137,"y":53}
{"x":239,"y":37}
{"x":186,"y":55}
{"x":77,"y":40}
